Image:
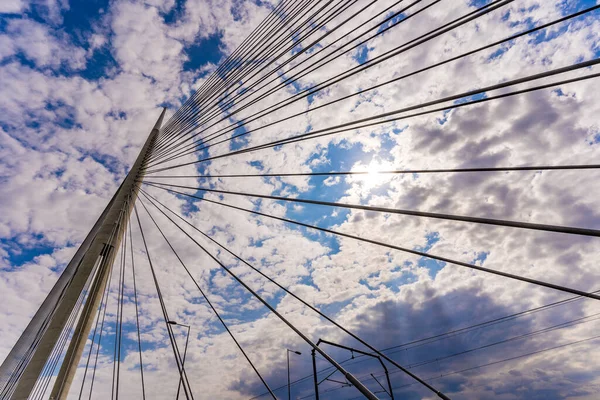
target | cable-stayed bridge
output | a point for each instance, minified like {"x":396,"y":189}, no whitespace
{"x":316,"y":77}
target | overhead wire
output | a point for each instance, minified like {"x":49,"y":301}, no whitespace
{"x":414,"y":213}
{"x":407,"y":250}
{"x":449,"y":334}
{"x":365,"y":391}
{"x":102,"y":307}
{"x":567,"y":324}
{"x":249,"y":90}
{"x":357,"y":69}
{"x":335,"y":13}
{"x":295,"y":296}
{"x":137,"y":318}
{"x":393,"y":172}
{"x":227,"y":63}
{"x":214,"y":310}
{"x":272,"y":37}
{"x":528,"y":354}
{"x":349,"y":126}
{"x":442,"y":375}
{"x":427,"y":68}
{"x":183,"y":375}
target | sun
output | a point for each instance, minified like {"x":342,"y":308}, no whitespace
{"x":374,"y":176}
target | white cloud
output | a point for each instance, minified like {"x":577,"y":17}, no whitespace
{"x":13,"y":6}
{"x":57,"y":177}
{"x":38,"y":44}
{"x":331,"y":181}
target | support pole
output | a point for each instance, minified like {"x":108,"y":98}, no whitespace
{"x":106,"y":238}
{"x":314,"y":364}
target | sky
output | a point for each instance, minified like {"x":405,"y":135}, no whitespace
{"x":82,"y":83}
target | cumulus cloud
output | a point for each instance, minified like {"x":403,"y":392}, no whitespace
{"x":13,"y":6}
{"x":67,"y":139}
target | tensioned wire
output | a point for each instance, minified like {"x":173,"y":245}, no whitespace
{"x":236,"y":71}
{"x":119,"y":321}
{"x":572,"y":16}
{"x":403,"y":249}
{"x":529,"y":334}
{"x":45,"y":377}
{"x":254,"y":212}
{"x":355,"y":70}
{"x":107,"y":296}
{"x":182,"y":373}
{"x":339,"y":326}
{"x":94,"y":280}
{"x":232,"y":61}
{"x":250,"y":90}
{"x":28,"y":354}
{"x":306,"y":92}
{"x":388,"y":210}
{"x":118,"y":330}
{"x":228,"y":64}
{"x":251,"y":46}
{"x":288,"y":80}
{"x":12,"y":382}
{"x":101,"y":311}
{"x":291,"y":79}
{"x":413,"y":343}
{"x":248,"y":67}
{"x":337,"y":11}
{"x":214,"y":310}
{"x":140,"y":226}
{"x":391,"y":116}
{"x":404,"y":76}
{"x":269,"y":47}
{"x":137,"y":318}
{"x":393,"y":172}
{"x":356,"y":383}
{"x":445,"y":335}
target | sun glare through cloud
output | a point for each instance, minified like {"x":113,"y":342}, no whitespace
{"x":299,"y":199}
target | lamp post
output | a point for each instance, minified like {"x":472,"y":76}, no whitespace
{"x":184,"y":353}
{"x":288,"y":365}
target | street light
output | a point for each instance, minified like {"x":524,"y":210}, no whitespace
{"x":184,"y":354}
{"x":288,"y":362}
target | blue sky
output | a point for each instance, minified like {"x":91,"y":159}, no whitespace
{"x":83,"y":82}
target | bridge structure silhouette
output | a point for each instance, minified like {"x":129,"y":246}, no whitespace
{"x":246,"y":110}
